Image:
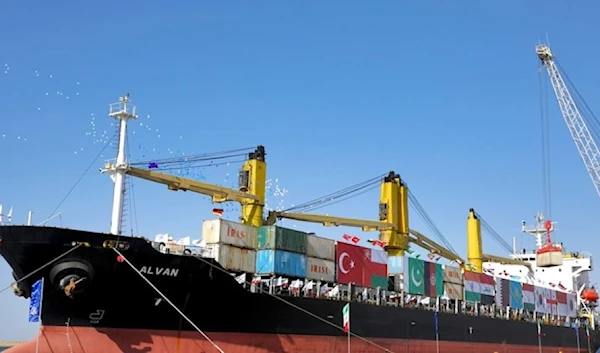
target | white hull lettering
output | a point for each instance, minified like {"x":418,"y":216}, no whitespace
{"x":160,"y":271}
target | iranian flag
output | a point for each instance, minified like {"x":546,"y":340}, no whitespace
{"x":346,"y":314}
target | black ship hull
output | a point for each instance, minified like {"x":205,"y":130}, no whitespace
{"x":113,"y":309}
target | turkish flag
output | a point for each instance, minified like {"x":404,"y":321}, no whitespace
{"x":350,"y":263}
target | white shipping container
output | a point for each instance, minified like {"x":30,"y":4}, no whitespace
{"x":320,"y":248}
{"x":398,"y":282}
{"x":320,"y":270}
{"x":231,"y":257}
{"x":220,"y":231}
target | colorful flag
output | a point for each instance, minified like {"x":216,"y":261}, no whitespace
{"x":472,"y":286}
{"x":217,"y":212}
{"x":551,"y":302}
{"x":487,"y":288}
{"x":540,"y":300}
{"x":434,"y":275}
{"x":502,"y":292}
{"x":516,"y":295}
{"x":346,"y":314}
{"x":413,"y":276}
{"x":423,"y":277}
{"x":362,"y":266}
{"x":528,"y":297}
{"x":561,"y":299}
{"x":375,"y":272}
{"x":35,"y":303}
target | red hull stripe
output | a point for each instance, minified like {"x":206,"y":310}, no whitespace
{"x":90,"y":340}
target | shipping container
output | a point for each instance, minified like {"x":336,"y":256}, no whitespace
{"x":278,"y":262}
{"x":320,"y":270}
{"x":232,"y":258}
{"x":453,"y":290}
{"x":396,"y":282}
{"x":220,"y":231}
{"x":453,"y":275}
{"x":320,"y":248}
{"x":395,"y":264}
{"x":279,"y":238}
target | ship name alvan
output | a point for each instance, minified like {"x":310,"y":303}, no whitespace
{"x":160,"y":271}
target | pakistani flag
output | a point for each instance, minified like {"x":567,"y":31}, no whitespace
{"x":413,"y":276}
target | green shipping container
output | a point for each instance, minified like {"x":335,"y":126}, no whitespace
{"x":279,"y":238}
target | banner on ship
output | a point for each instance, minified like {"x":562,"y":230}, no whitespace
{"x":35,"y":301}
{"x":509,"y":293}
{"x":479,"y":287}
{"x":361,"y":266}
{"x":528,"y":297}
{"x":423,"y":277}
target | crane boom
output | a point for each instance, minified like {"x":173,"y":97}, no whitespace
{"x":367,"y":226}
{"x":251,"y":193}
{"x":175,"y":183}
{"x":329,"y":221}
{"x":577,"y":127}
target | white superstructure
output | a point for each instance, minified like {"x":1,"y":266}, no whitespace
{"x":571,"y":276}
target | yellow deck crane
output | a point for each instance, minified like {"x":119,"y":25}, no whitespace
{"x":475,"y":253}
{"x":251,"y":193}
{"x":392,"y":224}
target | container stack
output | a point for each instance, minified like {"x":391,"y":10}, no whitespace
{"x":453,"y":283}
{"x":231,"y":244}
{"x":320,"y":259}
{"x":281,"y":252}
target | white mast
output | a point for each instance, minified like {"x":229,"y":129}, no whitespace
{"x":122,"y":111}
{"x":539,"y":231}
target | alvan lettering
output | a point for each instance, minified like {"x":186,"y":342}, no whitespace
{"x":160,"y":271}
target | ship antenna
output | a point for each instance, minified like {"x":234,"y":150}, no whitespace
{"x":122,"y":111}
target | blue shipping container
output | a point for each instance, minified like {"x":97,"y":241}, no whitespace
{"x":278,"y":262}
{"x":395,"y":264}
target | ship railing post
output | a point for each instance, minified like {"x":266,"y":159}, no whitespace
{"x":578,"y":342}
{"x":349,"y":313}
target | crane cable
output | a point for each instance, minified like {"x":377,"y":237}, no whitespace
{"x":545,"y":141}
{"x":346,"y":193}
{"x":414,"y":202}
{"x":591,"y":120}
{"x":494,"y":235}
{"x":210,"y":156}
{"x":164,"y":297}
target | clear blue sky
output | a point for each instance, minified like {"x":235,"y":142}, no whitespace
{"x":445,"y":93}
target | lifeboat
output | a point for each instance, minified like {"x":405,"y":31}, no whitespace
{"x":590,"y":295}
{"x":549,"y":254}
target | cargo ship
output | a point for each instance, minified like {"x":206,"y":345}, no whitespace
{"x":256,"y":287}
